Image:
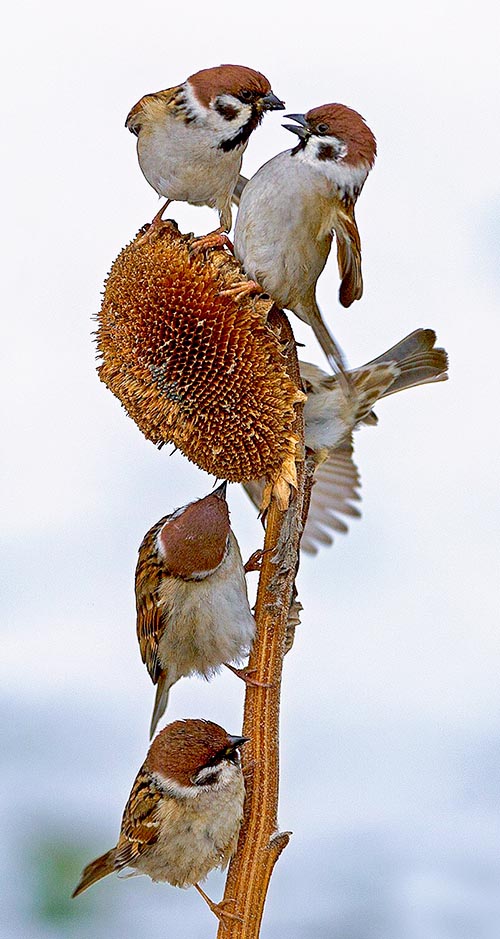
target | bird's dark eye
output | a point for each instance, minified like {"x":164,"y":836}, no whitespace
{"x":246,"y":95}
{"x":322,"y":128}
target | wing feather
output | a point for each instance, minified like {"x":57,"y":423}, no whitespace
{"x":348,"y":255}
{"x":336,"y":485}
{"x":148,"y":106}
{"x":150,"y":622}
{"x":140,"y":822}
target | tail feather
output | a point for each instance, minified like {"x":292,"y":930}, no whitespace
{"x":418,"y":361}
{"x":96,"y":870}
{"x":238,"y":189}
{"x":370,"y":384}
{"x":310,"y":313}
{"x":164,"y":685}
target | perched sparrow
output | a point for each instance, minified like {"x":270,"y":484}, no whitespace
{"x":330,"y":419}
{"x":191,"y":138}
{"x":184,"y":812}
{"x":191,"y":596}
{"x":290,"y":208}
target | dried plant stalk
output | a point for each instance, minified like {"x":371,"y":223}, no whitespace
{"x":260,"y":842}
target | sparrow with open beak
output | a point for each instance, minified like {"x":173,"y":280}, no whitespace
{"x":192,"y":605}
{"x":184,"y":812}
{"x":331,"y":417}
{"x":191,"y":138}
{"x":290,"y":209}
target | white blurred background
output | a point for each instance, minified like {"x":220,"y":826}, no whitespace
{"x":390,"y":723}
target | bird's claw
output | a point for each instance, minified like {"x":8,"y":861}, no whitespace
{"x":153,"y":230}
{"x":218,"y":908}
{"x":254,"y":562}
{"x":245,"y":673}
{"x":243,"y":289}
{"x":215,"y":239}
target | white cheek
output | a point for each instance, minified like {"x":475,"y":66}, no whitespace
{"x":175,"y":789}
{"x":222,"y":128}
{"x":344,"y":176}
{"x":310,"y":153}
{"x":228,"y":128}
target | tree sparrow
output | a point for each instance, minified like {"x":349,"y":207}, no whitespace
{"x":290,"y":208}
{"x":184,"y":812}
{"x":331,"y":417}
{"x":192,"y":605}
{"x":191,"y":138}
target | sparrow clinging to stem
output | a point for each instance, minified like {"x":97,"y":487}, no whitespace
{"x":192,"y":605}
{"x":191,"y":138}
{"x":184,"y":812}
{"x":289,"y":211}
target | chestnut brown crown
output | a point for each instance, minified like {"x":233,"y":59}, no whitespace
{"x":182,"y":748}
{"x":194,"y":541}
{"x":238,"y":80}
{"x":339,"y":121}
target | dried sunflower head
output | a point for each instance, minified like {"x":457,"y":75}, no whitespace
{"x":195,"y":367}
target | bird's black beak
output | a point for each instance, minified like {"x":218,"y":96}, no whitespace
{"x":236,"y":742}
{"x":302,"y":130}
{"x":271,"y":103}
{"x":220,"y":492}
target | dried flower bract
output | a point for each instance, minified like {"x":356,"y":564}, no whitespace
{"x":195,"y":367}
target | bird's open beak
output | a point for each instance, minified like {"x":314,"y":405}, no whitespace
{"x":271,"y":103}
{"x":302,"y":130}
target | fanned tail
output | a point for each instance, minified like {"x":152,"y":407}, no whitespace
{"x":96,"y":870}
{"x":418,"y":361}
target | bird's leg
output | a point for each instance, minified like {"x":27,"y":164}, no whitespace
{"x":214,"y":239}
{"x":244,"y":674}
{"x":218,"y":908}
{"x":245,"y":287}
{"x":156,"y":225}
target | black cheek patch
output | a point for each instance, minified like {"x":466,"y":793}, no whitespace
{"x":243,"y":134}
{"x":227,"y":111}
{"x":209,"y":779}
{"x":326,"y":152}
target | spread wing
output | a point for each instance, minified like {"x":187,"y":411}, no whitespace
{"x":348,"y":255}
{"x":150,"y":623}
{"x":150,"y":106}
{"x":140,"y":822}
{"x":336,"y":485}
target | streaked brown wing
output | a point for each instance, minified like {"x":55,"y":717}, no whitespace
{"x":140,"y":824}
{"x":150,"y":623}
{"x":150,"y":104}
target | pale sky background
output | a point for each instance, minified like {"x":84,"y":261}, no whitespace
{"x":391,"y":705}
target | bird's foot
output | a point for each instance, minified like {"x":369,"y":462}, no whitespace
{"x":157,"y":225}
{"x":254,"y":562}
{"x":244,"y":288}
{"x":214,"y":239}
{"x":245,"y":675}
{"x":218,"y":908}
